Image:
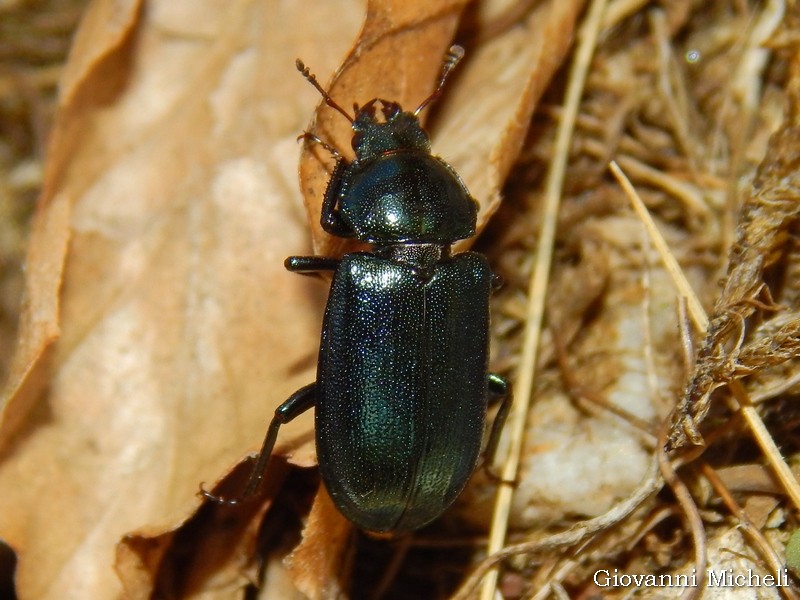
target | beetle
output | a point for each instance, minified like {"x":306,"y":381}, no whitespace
{"x":402,"y":381}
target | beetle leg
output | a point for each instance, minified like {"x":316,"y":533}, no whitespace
{"x":294,"y":406}
{"x":330,"y":219}
{"x":499,"y":390}
{"x":307,"y":135}
{"x":311,"y":265}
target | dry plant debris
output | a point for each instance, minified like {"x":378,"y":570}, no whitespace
{"x":159,"y":330}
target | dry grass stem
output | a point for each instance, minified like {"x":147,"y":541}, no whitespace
{"x":761,"y":543}
{"x":537,"y":290}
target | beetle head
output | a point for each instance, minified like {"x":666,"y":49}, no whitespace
{"x":396,"y":191}
{"x":392,"y":130}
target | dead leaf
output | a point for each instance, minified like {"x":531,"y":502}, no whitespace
{"x":171,"y":201}
{"x":155,"y":275}
{"x":320,"y":566}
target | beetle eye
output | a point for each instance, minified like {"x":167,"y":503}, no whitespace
{"x":357,"y":138}
{"x":390,"y":110}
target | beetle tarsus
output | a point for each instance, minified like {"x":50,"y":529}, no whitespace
{"x":221,"y":500}
{"x":294,"y":406}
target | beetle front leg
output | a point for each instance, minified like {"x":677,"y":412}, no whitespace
{"x":295,"y":405}
{"x":330,"y":219}
{"x":499,"y":390}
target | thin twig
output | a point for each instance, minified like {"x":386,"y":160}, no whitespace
{"x":651,"y":483}
{"x":686,"y":193}
{"x":554,"y":584}
{"x":690,"y":511}
{"x":539,"y":280}
{"x":619,"y":10}
{"x":751,"y":531}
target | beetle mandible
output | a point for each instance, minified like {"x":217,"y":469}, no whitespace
{"x":402,"y":378}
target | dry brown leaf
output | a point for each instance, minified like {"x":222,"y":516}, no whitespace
{"x":683,"y":95}
{"x":155,"y":273}
{"x":320,"y":566}
{"x":172,"y":174}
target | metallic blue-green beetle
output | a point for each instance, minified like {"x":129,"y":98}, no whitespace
{"x":402,"y":382}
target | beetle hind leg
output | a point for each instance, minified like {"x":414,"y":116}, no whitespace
{"x":294,"y":406}
{"x":499,"y":391}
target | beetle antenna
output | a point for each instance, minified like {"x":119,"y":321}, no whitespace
{"x":451,"y":59}
{"x":313,"y":81}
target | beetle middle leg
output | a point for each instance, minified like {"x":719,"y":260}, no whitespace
{"x":294,"y":406}
{"x":499,"y":391}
